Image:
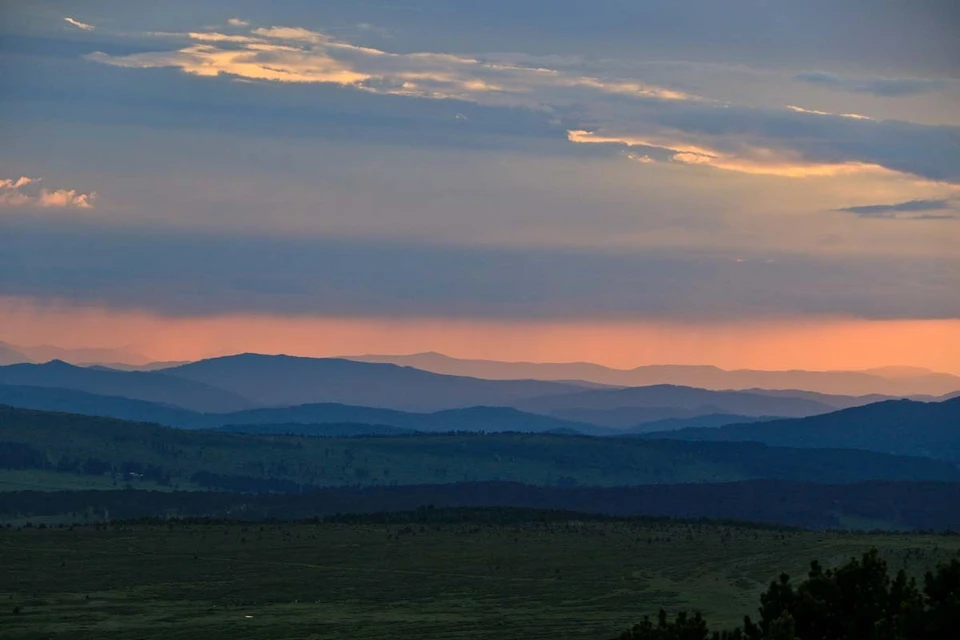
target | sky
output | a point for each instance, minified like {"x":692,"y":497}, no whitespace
{"x":753,"y":183}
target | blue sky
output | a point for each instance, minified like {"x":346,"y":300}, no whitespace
{"x":645,"y":161}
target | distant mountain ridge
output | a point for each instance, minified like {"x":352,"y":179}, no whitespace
{"x":891,"y":381}
{"x":290,"y":380}
{"x":136,"y":385}
{"x":18,"y":354}
{"x":315,"y":416}
{"x":901,"y":427}
{"x":631,"y":406}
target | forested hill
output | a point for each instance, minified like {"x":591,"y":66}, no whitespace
{"x":81,"y":444}
{"x":867,"y":505}
{"x":901,"y":427}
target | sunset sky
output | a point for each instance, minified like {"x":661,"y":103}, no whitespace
{"x":749,"y":183}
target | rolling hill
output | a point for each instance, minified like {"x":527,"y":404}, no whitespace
{"x":136,"y":385}
{"x":632,"y":406}
{"x":72,"y":444}
{"x":315,"y":416}
{"x":288,"y":380}
{"x":901,"y":427}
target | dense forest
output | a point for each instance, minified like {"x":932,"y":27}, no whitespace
{"x":877,"y":505}
{"x":249,"y":463}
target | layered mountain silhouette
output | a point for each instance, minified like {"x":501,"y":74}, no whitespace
{"x":288,"y":380}
{"x":311,"y":419}
{"x":10,"y":355}
{"x":136,"y":385}
{"x":223,"y":385}
{"x":892,"y":381}
{"x":632,"y":406}
{"x":56,"y":399}
{"x":903,"y":427}
{"x":711,"y":420}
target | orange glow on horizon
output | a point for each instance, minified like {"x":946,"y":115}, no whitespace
{"x":798,"y":343}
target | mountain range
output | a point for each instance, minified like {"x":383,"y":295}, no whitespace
{"x":268,"y":384}
{"x":136,"y":385}
{"x":236,"y":383}
{"x":903,"y":427}
{"x":624,"y":408}
{"x":309,"y":419}
{"x":892,"y":381}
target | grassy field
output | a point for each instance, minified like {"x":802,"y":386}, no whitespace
{"x":557,"y":580}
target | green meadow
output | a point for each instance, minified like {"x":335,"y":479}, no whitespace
{"x":476,"y":578}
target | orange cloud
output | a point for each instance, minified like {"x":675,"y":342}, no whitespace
{"x":749,"y":159}
{"x":811,"y":343}
{"x":16,"y":193}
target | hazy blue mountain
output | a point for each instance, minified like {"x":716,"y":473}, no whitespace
{"x":326,"y":430}
{"x":598,"y":404}
{"x":902,"y":427}
{"x":91,"y":404}
{"x":891,"y":381}
{"x":10,"y":355}
{"x":626,"y":418}
{"x":137,"y":385}
{"x":288,"y":380}
{"x":711,"y":421}
{"x":149,"y":366}
{"x":468,"y":419}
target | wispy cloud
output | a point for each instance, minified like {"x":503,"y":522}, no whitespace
{"x":755,"y":160}
{"x":22,"y":193}
{"x":653,"y":120}
{"x":882,"y":87}
{"x":79,"y":25}
{"x":237,"y":22}
{"x":910,"y":210}
{"x":296,"y":54}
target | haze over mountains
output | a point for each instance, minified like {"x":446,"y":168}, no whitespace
{"x":175,"y":395}
{"x":894,"y":381}
{"x":15,"y":354}
{"x":136,"y":385}
{"x":269,"y":384}
{"x":290,"y":380}
{"x":281,"y":424}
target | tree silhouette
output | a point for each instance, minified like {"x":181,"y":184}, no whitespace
{"x":855,"y":601}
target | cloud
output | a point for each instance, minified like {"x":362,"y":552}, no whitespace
{"x":17,"y":193}
{"x":910,"y":210}
{"x":610,"y":108}
{"x":855,"y":116}
{"x":237,"y":22}
{"x":79,"y":25}
{"x":350,"y":277}
{"x":881,"y":87}
{"x":746,"y":159}
{"x":299,"y":55}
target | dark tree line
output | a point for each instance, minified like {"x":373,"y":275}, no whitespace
{"x":15,"y":455}
{"x":856,"y":601}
